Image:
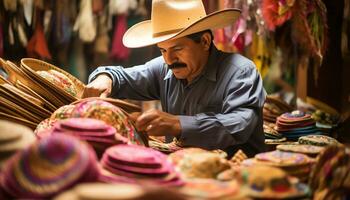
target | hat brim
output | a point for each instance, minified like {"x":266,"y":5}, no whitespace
{"x":140,"y":35}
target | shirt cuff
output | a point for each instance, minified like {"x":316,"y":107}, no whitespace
{"x":99,"y":71}
{"x":189,"y":128}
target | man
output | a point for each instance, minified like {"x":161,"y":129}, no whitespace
{"x":210,"y":99}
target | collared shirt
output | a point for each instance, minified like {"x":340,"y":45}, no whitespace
{"x":219,"y":109}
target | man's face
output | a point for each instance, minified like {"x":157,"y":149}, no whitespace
{"x":185,"y":57}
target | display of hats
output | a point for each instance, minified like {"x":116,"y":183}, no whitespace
{"x":29,"y":82}
{"x":318,"y":140}
{"x":55,"y":79}
{"x":274,"y":107}
{"x":270,"y":131}
{"x":13,"y":137}
{"x":99,"y":134}
{"x":110,"y":114}
{"x":211,"y":189}
{"x":296,"y":124}
{"x":19,"y":104}
{"x":310,"y":150}
{"x":330,"y":177}
{"x":272,"y":183}
{"x":140,"y":163}
{"x":49,"y":166}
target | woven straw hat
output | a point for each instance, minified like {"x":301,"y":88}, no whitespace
{"x":171,"y":19}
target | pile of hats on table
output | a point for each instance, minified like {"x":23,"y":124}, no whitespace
{"x":273,"y":108}
{"x":296,"y":124}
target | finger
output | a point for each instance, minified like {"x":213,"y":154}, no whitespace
{"x":146,"y":118}
{"x":104,"y":95}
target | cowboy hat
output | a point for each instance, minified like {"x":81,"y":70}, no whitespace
{"x":171,"y":19}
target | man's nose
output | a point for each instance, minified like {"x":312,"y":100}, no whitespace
{"x":170,"y":58}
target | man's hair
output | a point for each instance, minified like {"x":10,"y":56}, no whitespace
{"x":196,"y":37}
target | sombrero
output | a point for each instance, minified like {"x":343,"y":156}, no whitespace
{"x":171,"y":19}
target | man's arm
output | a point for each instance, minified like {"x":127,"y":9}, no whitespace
{"x":138,"y":83}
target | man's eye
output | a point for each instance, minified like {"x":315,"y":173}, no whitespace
{"x":177,"y":49}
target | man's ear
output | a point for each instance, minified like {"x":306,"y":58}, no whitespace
{"x":206,"y":41}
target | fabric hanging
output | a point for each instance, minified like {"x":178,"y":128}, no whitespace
{"x":119,"y":51}
{"x":85,"y":23}
{"x":37,"y":46}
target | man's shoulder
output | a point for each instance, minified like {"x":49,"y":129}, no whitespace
{"x":236,"y":62}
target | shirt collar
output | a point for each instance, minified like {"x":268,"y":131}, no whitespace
{"x":210,"y":68}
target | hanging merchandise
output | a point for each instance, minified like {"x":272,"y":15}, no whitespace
{"x":102,"y":40}
{"x":97,"y":6}
{"x":119,"y":51}
{"x":261,"y":54}
{"x":85,"y":24}
{"x":276,"y":13}
{"x":28,"y":10}
{"x":10,"y":5}
{"x":37,"y":46}
{"x":121,"y":6}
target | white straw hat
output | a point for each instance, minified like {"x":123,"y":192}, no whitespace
{"x":171,"y":19}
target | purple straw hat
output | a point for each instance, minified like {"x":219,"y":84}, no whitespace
{"x":49,"y":166}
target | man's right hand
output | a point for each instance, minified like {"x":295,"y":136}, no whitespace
{"x":100,"y":87}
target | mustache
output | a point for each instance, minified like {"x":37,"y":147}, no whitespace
{"x":177,"y":65}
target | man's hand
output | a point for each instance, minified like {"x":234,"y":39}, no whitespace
{"x":158,"y":123}
{"x":100,"y":87}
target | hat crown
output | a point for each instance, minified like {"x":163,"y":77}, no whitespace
{"x":170,"y":16}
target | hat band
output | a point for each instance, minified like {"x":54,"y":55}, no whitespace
{"x":166,"y":32}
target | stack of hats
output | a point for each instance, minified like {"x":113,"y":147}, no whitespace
{"x":99,"y":134}
{"x":48,"y":167}
{"x":13,"y":137}
{"x":62,"y":86}
{"x":272,"y":136}
{"x":330,"y":178}
{"x":273,"y":108}
{"x":112,"y":115}
{"x":307,"y":149}
{"x":141,"y":164}
{"x":294,"y":164}
{"x":317,"y":140}
{"x":296,"y":124}
{"x":265,"y":182}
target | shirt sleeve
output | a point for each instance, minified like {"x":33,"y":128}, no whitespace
{"x":139,"y":83}
{"x":241,"y":114}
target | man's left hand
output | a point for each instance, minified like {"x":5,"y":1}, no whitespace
{"x":158,"y":123}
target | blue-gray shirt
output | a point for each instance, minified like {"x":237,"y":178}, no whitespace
{"x":220,"y":109}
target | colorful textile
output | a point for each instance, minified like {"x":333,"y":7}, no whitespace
{"x":140,"y":163}
{"x":49,"y":166}
{"x":110,"y":114}
{"x":318,"y":140}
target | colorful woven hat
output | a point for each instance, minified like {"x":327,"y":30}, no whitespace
{"x":211,"y":189}
{"x":96,"y":132}
{"x":318,"y":140}
{"x":140,"y":163}
{"x":281,"y":158}
{"x":330,"y":178}
{"x":49,"y":166}
{"x":13,"y":137}
{"x":272,"y":183}
{"x":301,"y":148}
{"x":110,"y":114}
{"x":63,"y":112}
{"x":44,"y":126}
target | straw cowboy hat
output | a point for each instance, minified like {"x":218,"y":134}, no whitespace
{"x":171,"y":19}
